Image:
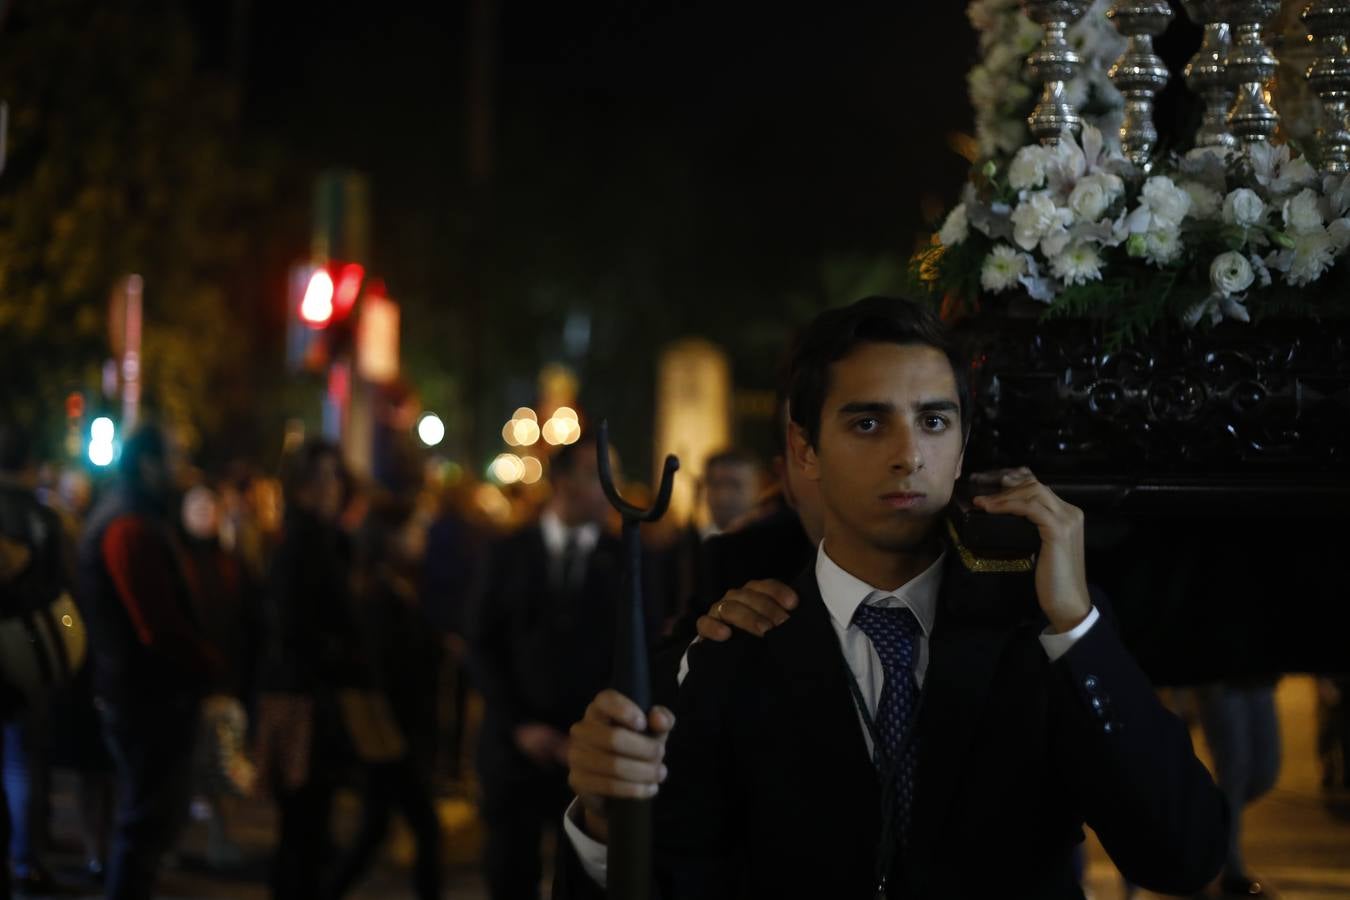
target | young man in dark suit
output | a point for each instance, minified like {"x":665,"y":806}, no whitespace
{"x":912,"y":729}
{"x":539,"y":648}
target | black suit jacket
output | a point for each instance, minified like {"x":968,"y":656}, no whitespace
{"x":538,"y":653}
{"x":771,"y":792}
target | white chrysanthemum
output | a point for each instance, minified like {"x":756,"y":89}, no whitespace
{"x":1312,"y":255}
{"x":956,"y":228}
{"x":1302,"y":212}
{"x":1037,"y":218}
{"x":1094,"y":194}
{"x":1231,"y":273}
{"x":1205,"y":202}
{"x":1002,"y":268}
{"x":1162,"y":246}
{"x":1078,"y":264}
{"x":1027,"y":171}
{"x":1244,"y":208}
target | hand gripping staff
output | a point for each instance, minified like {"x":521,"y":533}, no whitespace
{"x":630,"y":821}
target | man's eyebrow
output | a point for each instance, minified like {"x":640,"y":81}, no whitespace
{"x":881,"y":406}
{"x":866,"y":406}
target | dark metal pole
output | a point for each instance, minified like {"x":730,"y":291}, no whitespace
{"x":630,"y":821}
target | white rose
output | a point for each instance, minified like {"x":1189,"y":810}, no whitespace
{"x":1027,"y":170}
{"x":1094,"y":194}
{"x":1078,"y":264}
{"x":957,"y":227}
{"x":1230,"y":273}
{"x":1168,"y":203}
{"x":1036,"y":217}
{"x":1243,"y":208}
{"x":1002,"y":268}
{"x":1205,"y":202}
{"x":1301,"y":213}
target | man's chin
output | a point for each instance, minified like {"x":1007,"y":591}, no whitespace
{"x":911,"y":536}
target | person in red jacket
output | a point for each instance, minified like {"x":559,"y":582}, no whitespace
{"x":152,"y":662}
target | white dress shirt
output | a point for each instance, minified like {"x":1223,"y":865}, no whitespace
{"x":556,"y":537}
{"x":843,"y":593}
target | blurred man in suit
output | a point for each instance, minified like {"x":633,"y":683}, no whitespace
{"x":540,"y":647}
{"x":908,"y":712}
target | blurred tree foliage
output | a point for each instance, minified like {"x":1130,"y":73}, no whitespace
{"x":123,"y":157}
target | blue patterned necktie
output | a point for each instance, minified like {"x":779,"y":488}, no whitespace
{"x":894,"y":633}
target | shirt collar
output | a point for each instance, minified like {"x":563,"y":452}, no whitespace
{"x":556,"y":533}
{"x":843,"y":593}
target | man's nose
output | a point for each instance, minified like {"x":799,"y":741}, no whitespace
{"x":906,"y":455}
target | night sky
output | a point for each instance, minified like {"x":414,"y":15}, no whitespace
{"x":669,"y":168}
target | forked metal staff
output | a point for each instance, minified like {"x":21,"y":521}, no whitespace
{"x":630,"y":821}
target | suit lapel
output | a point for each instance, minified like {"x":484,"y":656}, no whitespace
{"x":977,"y":615}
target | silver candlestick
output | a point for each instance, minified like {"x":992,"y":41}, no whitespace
{"x":1251,"y":65}
{"x":1139,"y":73}
{"x":1329,"y":22}
{"x":1052,"y":64}
{"x":1207,"y":75}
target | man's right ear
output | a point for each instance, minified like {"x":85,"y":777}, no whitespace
{"x":801,"y":453}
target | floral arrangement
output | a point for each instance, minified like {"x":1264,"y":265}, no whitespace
{"x":1003,"y":94}
{"x":1202,"y":237}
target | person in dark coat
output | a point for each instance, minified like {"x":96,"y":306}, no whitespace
{"x":909,"y":712}
{"x":35,"y":570}
{"x":151,"y":659}
{"x":310,"y":652}
{"x":404,"y":652}
{"x":540,"y":647}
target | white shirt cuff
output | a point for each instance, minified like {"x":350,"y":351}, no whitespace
{"x":684,"y":661}
{"x":1056,"y":645}
{"x":594,"y":856}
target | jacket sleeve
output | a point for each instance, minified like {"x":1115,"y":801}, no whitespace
{"x":696,"y":818}
{"x":140,"y":569}
{"x":1129,"y":764}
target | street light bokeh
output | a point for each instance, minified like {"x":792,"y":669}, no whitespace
{"x":431,"y":430}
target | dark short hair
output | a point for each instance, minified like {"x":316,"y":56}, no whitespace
{"x":299,"y":469}
{"x":146,"y":442}
{"x":836,"y":333}
{"x":569,"y":458}
{"x":732,"y":456}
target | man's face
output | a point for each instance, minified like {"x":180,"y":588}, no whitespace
{"x":889,"y":447}
{"x":201,"y":513}
{"x":732,"y":488}
{"x":580,"y":493}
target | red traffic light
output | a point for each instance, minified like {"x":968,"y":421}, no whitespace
{"x":316,"y":309}
{"x":347,"y":288}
